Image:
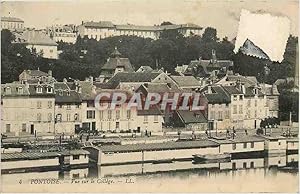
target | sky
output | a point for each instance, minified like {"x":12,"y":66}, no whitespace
{"x":222,"y":15}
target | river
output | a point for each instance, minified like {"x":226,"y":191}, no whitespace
{"x":271,"y":174}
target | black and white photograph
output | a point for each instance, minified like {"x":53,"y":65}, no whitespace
{"x":149,"y":96}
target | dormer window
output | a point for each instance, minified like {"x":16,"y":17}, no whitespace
{"x":49,"y":90}
{"x":20,"y":90}
{"x":39,"y":89}
{"x":68,"y":93}
{"x":8,"y":90}
{"x":60,"y":92}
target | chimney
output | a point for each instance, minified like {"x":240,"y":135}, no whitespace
{"x":78,"y":89}
{"x":65,"y":80}
{"x":243,"y":88}
{"x":50,"y":73}
{"x":209,"y":91}
{"x":91,"y":78}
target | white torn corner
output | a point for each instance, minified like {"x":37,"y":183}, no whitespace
{"x":262,"y":35}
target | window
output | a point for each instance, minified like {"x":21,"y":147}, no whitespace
{"x":60,"y":106}
{"x":58,"y":117}
{"x":155,"y":119}
{"x":8,"y":90}
{"x":24,"y":127}
{"x":39,"y":117}
{"x":39,"y":89}
{"x":241,"y":109}
{"x":233,"y":146}
{"x":49,"y":104}
{"x":244,"y":165}
{"x":7,"y":128}
{"x":39,"y":104}
{"x":117,"y":125}
{"x":233,"y":166}
{"x":20,"y":90}
{"x":255,"y":103}
{"x":128,"y":114}
{"x":235,"y":97}
{"x":234,"y":109}
{"x":220,"y":115}
{"x":279,"y":143}
{"x":252,"y":144}
{"x":77,"y":106}
{"x":90,"y":114}
{"x":117,"y":114}
{"x":109,"y":112}
{"x":255,"y":114}
{"x":251,"y":164}
{"x":212,"y":115}
{"x":249,"y":103}
{"x":68,"y":117}
{"x":51,"y":51}
{"x":145,"y":119}
{"x":49,"y":116}
{"x":76,"y":117}
{"x":241,"y":97}
{"x":101,"y":114}
{"x":68,"y":107}
{"x":245,"y":145}
{"x":75,"y":176}
{"x":75,"y":157}
{"x":49,"y":90}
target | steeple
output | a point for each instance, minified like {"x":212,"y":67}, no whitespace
{"x":115,"y":53}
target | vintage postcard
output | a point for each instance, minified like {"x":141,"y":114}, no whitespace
{"x":156,"y":96}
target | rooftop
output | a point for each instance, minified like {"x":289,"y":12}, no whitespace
{"x":132,"y":77}
{"x":158,"y":146}
{"x":188,"y":117}
{"x":186,"y":81}
{"x":11,"y":19}
{"x":36,"y":38}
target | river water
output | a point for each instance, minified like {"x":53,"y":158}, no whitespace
{"x":271,"y":174}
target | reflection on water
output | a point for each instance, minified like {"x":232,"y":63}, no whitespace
{"x":263,"y":171}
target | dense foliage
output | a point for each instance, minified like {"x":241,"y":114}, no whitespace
{"x":87,"y":56}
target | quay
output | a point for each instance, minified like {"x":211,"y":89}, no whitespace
{"x":43,"y":161}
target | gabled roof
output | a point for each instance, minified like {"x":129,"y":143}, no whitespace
{"x":113,"y":63}
{"x":250,"y":92}
{"x":232,"y":90}
{"x":217,"y":96}
{"x":248,"y":80}
{"x":269,"y":89}
{"x":132,"y":77}
{"x":35,"y":73}
{"x":159,"y":88}
{"x":11,"y":19}
{"x":188,"y":117}
{"x":154,"y":110}
{"x":186,"y":81}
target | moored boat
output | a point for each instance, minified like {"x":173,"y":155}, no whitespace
{"x":211,"y":157}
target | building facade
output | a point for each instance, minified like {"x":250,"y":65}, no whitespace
{"x":104,"y":29}
{"x":64,"y":33}
{"x":12,"y":23}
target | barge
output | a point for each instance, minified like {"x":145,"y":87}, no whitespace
{"x":43,"y":161}
{"x":212,"y":157}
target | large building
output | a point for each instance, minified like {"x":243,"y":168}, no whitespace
{"x":38,"y":42}
{"x":64,"y":33}
{"x":12,"y":23}
{"x":104,"y":29}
